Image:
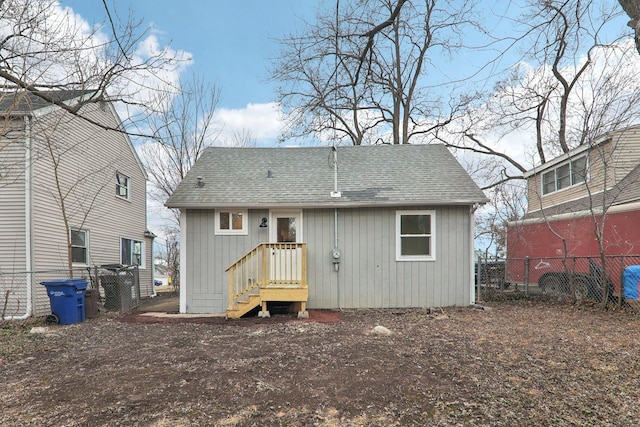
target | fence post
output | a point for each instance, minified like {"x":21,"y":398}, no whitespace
{"x":527,"y":263}
{"x":95,"y":278}
{"x":621,"y":286}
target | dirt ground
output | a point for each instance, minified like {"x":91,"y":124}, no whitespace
{"x":520,"y":363}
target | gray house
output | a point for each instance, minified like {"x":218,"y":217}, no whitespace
{"x":351,"y":227}
{"x":48,"y":155}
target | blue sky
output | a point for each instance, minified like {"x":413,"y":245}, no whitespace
{"x":230,"y":41}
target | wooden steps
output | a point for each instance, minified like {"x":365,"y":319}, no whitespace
{"x":267,"y":294}
{"x":243,"y":307}
{"x":269,"y":272}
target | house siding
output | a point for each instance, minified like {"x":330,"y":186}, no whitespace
{"x":368,"y":275}
{"x":208,"y":256}
{"x":626,"y":152}
{"x":88,"y":158}
{"x":13,"y":227}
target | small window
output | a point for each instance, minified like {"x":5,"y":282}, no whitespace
{"x":131,"y":252}
{"x":79,"y":247}
{"x":231,"y":222}
{"x":563,"y":176}
{"x":415,"y":235}
{"x":122,"y":186}
{"x":579,"y":170}
{"x":566,"y":175}
{"x":549,"y":182}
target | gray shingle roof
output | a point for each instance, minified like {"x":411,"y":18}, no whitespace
{"x":304,"y":177}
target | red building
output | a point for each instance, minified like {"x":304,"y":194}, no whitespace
{"x":588,"y":195}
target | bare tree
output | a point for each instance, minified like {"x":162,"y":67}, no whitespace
{"x":507,"y":205}
{"x":632,"y":8}
{"x":576,"y":85}
{"x":44,"y":48}
{"x":182,"y":125}
{"x":75,"y":190}
{"x":610,"y":181}
{"x":172,"y":247}
{"x":361,"y":72}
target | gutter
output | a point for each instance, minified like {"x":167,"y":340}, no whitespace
{"x":628,"y":207}
{"x":342,"y":205}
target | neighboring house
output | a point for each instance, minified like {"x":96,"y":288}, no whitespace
{"x":101,"y":180}
{"x":161,"y":273}
{"x":568,"y":195}
{"x":351,"y":227}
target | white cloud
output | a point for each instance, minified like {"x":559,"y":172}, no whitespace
{"x":143,"y":83}
{"x":262,"y":122}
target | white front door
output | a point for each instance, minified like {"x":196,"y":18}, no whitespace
{"x":285,"y":226}
{"x":286,"y":263}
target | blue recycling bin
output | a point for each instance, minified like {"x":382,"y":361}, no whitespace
{"x":67,"y":300}
{"x":631,"y":282}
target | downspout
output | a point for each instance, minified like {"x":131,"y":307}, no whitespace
{"x":335,"y":193}
{"x":336,"y":251}
{"x":183,"y":260}
{"x":472,"y":222}
{"x":153,"y":272}
{"x":27,"y":222}
{"x":152,"y":236}
{"x":336,"y":265}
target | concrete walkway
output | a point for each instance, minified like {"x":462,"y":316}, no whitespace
{"x":167,"y":304}
{"x":163,"y":302}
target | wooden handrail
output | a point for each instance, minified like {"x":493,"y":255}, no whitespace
{"x":268,"y":264}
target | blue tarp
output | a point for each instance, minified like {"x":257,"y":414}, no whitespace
{"x":631,"y":282}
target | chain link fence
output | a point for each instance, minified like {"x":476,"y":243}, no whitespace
{"x":114,"y":287}
{"x":119,"y":287}
{"x":615,"y":280}
{"x":14,"y":294}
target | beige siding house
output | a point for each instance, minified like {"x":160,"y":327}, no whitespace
{"x":569,"y":183}
{"x":351,"y":227}
{"x":53,"y":162}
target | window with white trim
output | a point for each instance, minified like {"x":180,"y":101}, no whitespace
{"x":415,"y":235}
{"x":231,"y":221}
{"x":79,"y":247}
{"x":122,"y":185}
{"x":131,"y":252}
{"x":565,"y":175}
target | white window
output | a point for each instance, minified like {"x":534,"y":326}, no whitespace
{"x":122,"y":185}
{"x":131,"y":252}
{"x":567,"y":174}
{"x":415,"y":235}
{"x":579,"y":170}
{"x":231,"y":221}
{"x":79,"y":247}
